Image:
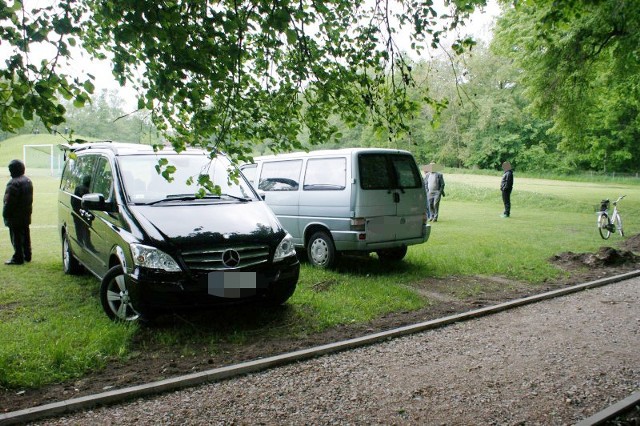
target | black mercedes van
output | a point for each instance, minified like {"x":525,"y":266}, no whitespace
{"x":156,"y":245}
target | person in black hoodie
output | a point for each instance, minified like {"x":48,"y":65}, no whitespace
{"x":506,"y":186}
{"x":16,"y":212}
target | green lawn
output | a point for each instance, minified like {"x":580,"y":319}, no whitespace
{"x":52,"y":327}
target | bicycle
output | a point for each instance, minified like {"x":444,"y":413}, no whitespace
{"x":608,"y":223}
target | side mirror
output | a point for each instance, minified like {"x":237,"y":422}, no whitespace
{"x":96,"y":201}
{"x":261,"y":194}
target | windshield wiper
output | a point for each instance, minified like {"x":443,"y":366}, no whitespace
{"x":181,"y":197}
{"x":235,"y":197}
{"x":194,"y":197}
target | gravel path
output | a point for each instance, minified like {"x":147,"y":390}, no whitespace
{"x":554,"y":362}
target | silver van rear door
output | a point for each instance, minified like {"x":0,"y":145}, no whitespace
{"x":390,"y":196}
{"x":375,"y":197}
{"x":412,"y":198}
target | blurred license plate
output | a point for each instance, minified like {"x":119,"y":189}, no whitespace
{"x":232,"y":284}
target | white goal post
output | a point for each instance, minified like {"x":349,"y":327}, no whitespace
{"x":43,"y":156}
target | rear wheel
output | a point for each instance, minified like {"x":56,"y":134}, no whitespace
{"x":70,"y":264}
{"x":603,"y":226}
{"x":321,"y":251}
{"x":115,"y":298}
{"x":618,"y":224}
{"x":392,"y":255}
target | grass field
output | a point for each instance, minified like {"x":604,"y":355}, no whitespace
{"x":52,"y":327}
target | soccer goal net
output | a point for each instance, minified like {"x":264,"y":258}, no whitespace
{"x":46,"y":158}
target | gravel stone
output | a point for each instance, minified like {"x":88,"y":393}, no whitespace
{"x":555,"y":362}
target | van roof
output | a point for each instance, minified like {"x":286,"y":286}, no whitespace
{"x":329,"y":152}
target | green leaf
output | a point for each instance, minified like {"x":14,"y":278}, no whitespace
{"x":88,"y":86}
{"x":16,"y":122}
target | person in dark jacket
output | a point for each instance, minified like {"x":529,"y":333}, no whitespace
{"x":506,"y":186}
{"x":16,"y":212}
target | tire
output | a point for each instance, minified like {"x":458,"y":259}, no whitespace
{"x":603,"y":226}
{"x":618,"y":224}
{"x":392,"y":254}
{"x":70,"y":264}
{"x":114,"y":296}
{"x":320,"y":250}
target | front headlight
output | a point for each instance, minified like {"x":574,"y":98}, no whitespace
{"x":285,"y":249}
{"x":152,"y":258}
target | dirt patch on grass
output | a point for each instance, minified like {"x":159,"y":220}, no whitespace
{"x":150,"y":361}
{"x":605,"y":257}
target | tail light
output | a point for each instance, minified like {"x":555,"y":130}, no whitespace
{"x":358,"y":224}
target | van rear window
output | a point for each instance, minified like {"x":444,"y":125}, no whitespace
{"x":388,"y":171}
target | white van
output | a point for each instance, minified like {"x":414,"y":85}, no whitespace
{"x":346,"y":200}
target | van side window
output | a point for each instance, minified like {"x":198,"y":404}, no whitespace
{"x":374,"y":171}
{"x":78,"y":173}
{"x":67,"y":182}
{"x":280,"y":175}
{"x":407,"y":173}
{"x":325,"y":174}
{"x":103,"y":182}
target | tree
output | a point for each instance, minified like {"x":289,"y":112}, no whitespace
{"x":105,"y":118}
{"x":27,"y":89}
{"x":485,"y":121}
{"x":227,"y":74}
{"x":580,"y":63}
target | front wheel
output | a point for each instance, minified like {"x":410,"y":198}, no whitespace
{"x":115,"y":298}
{"x":618,"y":224}
{"x":603,"y":226}
{"x":321,"y":251}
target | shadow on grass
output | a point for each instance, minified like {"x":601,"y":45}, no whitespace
{"x":243,"y":323}
{"x":226,"y":324}
{"x":369,"y":265}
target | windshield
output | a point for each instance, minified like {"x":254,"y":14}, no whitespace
{"x":143,"y":184}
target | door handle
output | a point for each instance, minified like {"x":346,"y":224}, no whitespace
{"x":86,"y":215}
{"x":396,"y":197}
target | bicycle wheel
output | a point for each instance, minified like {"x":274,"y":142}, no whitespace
{"x":603,"y":225}
{"x":618,"y":223}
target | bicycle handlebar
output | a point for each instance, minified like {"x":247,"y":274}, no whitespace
{"x":619,"y":198}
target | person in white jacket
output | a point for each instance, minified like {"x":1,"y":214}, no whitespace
{"x":434,"y":184}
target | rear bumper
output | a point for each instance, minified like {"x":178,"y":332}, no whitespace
{"x":352,"y":241}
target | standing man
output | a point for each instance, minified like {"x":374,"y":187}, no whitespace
{"x":16,"y":211}
{"x":506,"y":185}
{"x":435,"y":189}
{"x":425,"y":178}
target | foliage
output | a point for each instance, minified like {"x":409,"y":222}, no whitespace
{"x":29,"y":89}
{"x":557,"y":90}
{"x":479,"y":120}
{"x":580,"y":65}
{"x":545,"y":95}
{"x":225,"y":75}
{"x":485,"y":122}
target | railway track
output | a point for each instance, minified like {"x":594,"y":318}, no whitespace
{"x":218,"y":374}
